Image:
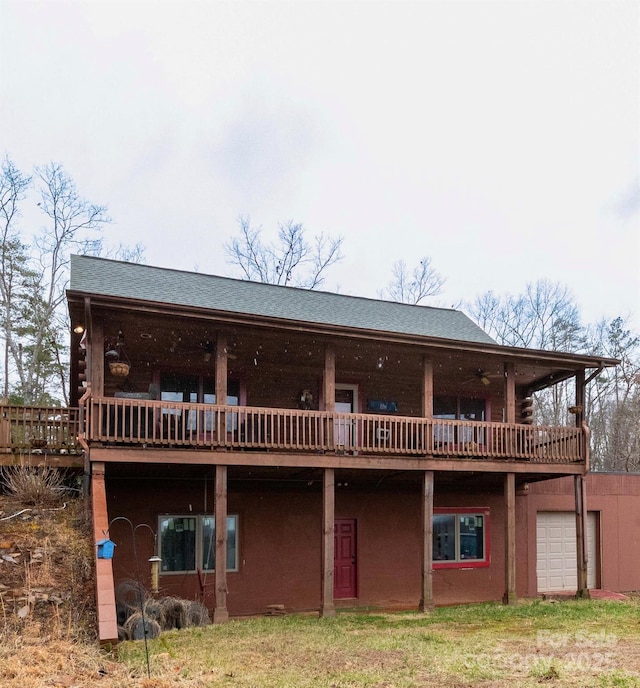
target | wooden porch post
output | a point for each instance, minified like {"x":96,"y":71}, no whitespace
{"x":427,"y":402}
{"x":580,"y":485}
{"x":328,"y":521}
{"x":427,"y":387}
{"x":510,"y":393}
{"x":510,"y":539}
{"x":221,"y":369}
{"x":221,"y":384}
{"x":426,"y":601}
{"x":580,"y":397}
{"x":329,"y":379}
{"x":329,"y":395}
{"x":220,"y":612}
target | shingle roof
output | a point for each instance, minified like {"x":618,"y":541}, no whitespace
{"x":104,"y":277}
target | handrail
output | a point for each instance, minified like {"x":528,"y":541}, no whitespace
{"x":146,"y":422}
{"x":81,"y":418}
{"x":39,"y":429}
{"x":126,"y":421}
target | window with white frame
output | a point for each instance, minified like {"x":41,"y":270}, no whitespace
{"x":460,"y":538}
{"x":188,"y":543}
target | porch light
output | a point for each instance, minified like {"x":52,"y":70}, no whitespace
{"x":78,"y":329}
{"x":484,"y":379}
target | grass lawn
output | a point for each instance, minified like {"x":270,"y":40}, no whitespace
{"x":569,"y":643}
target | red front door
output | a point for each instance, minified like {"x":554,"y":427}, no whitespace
{"x":344,"y":559}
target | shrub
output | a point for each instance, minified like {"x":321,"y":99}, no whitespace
{"x":36,"y":486}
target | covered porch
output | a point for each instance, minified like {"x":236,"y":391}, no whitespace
{"x":321,"y":539}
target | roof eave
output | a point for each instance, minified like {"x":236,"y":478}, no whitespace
{"x":573,"y":361}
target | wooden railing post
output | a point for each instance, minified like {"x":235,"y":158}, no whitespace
{"x":5,"y":430}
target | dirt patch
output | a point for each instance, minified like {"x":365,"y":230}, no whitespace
{"x":46,"y":569}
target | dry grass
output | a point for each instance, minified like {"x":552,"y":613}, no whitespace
{"x":33,"y":486}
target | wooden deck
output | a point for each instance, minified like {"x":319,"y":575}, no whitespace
{"x":113,"y":422}
{"x":39,"y":434}
{"x":159,"y":423}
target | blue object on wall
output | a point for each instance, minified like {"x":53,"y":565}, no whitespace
{"x":105,"y":549}
{"x":388,"y":406}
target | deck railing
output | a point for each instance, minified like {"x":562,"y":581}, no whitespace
{"x":39,"y":429}
{"x":162,"y":423}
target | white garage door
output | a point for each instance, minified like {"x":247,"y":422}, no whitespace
{"x":556,"y":547}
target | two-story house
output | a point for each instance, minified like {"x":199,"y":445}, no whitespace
{"x":360,"y":452}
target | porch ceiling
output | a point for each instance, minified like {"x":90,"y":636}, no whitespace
{"x":167,"y":341}
{"x":283,"y":478}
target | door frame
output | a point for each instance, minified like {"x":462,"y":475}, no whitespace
{"x":346,"y":432}
{"x":356,"y":568}
{"x":353,"y":388}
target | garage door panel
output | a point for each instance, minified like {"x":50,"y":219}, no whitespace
{"x":556,"y":548}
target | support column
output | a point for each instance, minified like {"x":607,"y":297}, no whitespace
{"x":328,"y":523}
{"x":427,"y":402}
{"x":511,"y":440}
{"x":105,"y":591}
{"x":580,"y":485}
{"x":427,"y":387}
{"x":509,"y":393}
{"x":329,"y":395}
{"x":220,"y":613}
{"x":329,"y":380}
{"x":580,"y":398}
{"x":510,"y":539}
{"x":221,"y":383}
{"x":426,"y":601}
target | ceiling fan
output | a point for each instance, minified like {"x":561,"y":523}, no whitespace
{"x":482,"y":376}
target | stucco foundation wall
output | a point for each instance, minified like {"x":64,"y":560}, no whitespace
{"x":279,"y":538}
{"x":615,"y":498}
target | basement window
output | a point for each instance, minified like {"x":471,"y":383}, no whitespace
{"x":188,"y":543}
{"x":460,"y":538}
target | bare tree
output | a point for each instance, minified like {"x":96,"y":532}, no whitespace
{"x":613,"y":401}
{"x":14,"y":260}
{"x":545,"y":316}
{"x":413,"y":286}
{"x":35,"y":275}
{"x":292,"y":260}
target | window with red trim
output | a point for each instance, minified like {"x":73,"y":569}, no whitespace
{"x":460,"y":538}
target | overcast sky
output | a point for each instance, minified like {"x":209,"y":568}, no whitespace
{"x":500,"y":138}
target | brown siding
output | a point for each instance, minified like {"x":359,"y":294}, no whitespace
{"x":280,"y":543}
{"x":614,"y":499}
